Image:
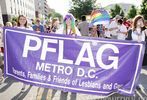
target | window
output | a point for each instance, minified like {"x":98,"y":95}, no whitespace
{"x":18,"y":2}
{"x":11,"y":10}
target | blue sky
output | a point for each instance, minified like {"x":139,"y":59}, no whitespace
{"x":62,"y":6}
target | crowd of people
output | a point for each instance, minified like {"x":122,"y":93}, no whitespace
{"x":118,"y":28}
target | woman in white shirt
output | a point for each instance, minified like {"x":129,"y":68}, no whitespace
{"x":139,"y":31}
{"x":23,"y":24}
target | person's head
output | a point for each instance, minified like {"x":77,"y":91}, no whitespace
{"x":8,"y":24}
{"x":69,"y":22}
{"x":138,"y":22}
{"x":1,"y":25}
{"x":38,"y":21}
{"x":117,"y":17}
{"x":120,"y":22}
{"x":83,"y":18}
{"x":55,"y":22}
{"x":22,"y":21}
{"x":14,"y":23}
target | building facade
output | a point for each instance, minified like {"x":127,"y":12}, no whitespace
{"x":41,"y":9}
{"x":1,"y":19}
{"x":14,"y":8}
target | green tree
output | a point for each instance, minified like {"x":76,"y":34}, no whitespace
{"x":14,"y":19}
{"x":82,"y":7}
{"x":54,"y":14}
{"x":144,"y":9}
{"x":132,"y":12}
{"x":122,"y":13}
{"x":117,"y":10}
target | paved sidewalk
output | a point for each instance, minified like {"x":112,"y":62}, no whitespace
{"x":11,"y":90}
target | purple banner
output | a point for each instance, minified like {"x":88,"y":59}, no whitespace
{"x":74,"y":64}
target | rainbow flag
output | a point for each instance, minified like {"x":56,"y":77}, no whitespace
{"x":99,"y":16}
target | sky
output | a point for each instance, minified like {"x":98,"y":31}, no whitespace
{"x":62,"y":6}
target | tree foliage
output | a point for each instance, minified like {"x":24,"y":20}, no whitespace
{"x":82,"y":7}
{"x":117,"y":10}
{"x":132,"y":12}
{"x":144,"y":9}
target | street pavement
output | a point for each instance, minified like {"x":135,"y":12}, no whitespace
{"x":11,"y":90}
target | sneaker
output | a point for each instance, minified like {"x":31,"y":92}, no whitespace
{"x":1,"y":80}
{"x":23,"y":89}
{"x":138,"y":88}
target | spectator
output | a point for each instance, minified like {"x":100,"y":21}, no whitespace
{"x":23,"y":24}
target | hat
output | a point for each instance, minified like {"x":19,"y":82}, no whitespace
{"x":118,"y":17}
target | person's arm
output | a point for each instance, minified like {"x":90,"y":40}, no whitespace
{"x":145,"y":32}
{"x":79,"y":27}
{"x":111,"y":29}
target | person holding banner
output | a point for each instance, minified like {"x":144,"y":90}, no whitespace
{"x":69,"y":27}
{"x":139,"y":30}
{"x":139,"y":33}
{"x":23,"y":24}
{"x":1,"y":54}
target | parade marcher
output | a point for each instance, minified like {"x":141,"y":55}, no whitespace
{"x":84,"y":27}
{"x":69,"y":28}
{"x":122,"y":30}
{"x":47,"y":26}
{"x":139,"y":31}
{"x":23,"y":24}
{"x":55,"y":25}
{"x":126,"y":23}
{"x":93,"y":31}
{"x":106,"y":31}
{"x":8,"y":24}
{"x":114,"y":27}
{"x":1,"y":53}
{"x":38,"y":27}
{"x":14,"y":24}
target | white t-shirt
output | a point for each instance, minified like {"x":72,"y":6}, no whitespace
{"x":113,"y":24}
{"x":121,"y":36}
{"x":138,"y":37}
{"x":1,"y":37}
{"x":107,"y":32}
{"x":84,"y":28}
{"x":27,"y":28}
